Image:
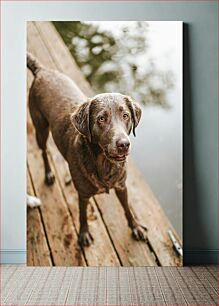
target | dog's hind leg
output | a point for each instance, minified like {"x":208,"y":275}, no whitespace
{"x":41,"y":137}
{"x":42,"y":132}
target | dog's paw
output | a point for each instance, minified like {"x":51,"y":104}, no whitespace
{"x":68,"y":179}
{"x":49,"y":178}
{"x":85,"y":239}
{"x":139,"y":232}
{"x":33,"y":201}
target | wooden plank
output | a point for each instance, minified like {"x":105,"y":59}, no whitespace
{"x":61,"y":234}
{"x":131,"y":252}
{"x":61,"y":55}
{"x":37,"y":47}
{"x":57,"y":221}
{"x":58,"y":224}
{"x":148,"y":210}
{"x":96,"y":255}
{"x":38,"y":253}
{"x":101,"y":252}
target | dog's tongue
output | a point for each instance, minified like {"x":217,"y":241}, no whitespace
{"x":120,"y":157}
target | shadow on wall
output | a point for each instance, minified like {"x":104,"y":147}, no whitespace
{"x":191,"y":210}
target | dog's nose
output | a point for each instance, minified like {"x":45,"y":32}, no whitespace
{"x":123,"y":144}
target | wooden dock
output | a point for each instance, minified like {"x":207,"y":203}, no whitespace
{"x":52,"y":229}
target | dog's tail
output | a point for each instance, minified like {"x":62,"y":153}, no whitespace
{"x":33,"y":64}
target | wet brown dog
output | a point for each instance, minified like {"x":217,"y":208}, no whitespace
{"x":92,"y":135}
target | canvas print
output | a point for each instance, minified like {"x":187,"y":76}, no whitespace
{"x":104,"y":143}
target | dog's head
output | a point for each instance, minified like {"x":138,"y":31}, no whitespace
{"x":107,"y":120}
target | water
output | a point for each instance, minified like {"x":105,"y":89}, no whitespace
{"x":159,"y":152}
{"x":142,"y":60}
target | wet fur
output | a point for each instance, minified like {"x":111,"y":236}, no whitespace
{"x":58,"y":105}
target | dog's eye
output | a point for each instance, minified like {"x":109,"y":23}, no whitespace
{"x":101,"y":119}
{"x":125,"y":116}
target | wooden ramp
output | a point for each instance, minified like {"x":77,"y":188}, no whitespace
{"x":52,"y":229}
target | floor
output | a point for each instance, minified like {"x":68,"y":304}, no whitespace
{"x":23,"y":285}
{"x":52,"y":229}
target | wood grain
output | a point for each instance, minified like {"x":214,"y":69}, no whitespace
{"x":60,"y":231}
{"x":101,"y":252}
{"x":38,"y":253}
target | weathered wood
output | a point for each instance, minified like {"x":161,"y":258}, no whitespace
{"x":131,"y":252}
{"x":61,"y":56}
{"x":101,"y":252}
{"x":58,"y":224}
{"x":57,"y":221}
{"x":38,"y":253}
{"x":36,"y":45}
{"x":148,"y":210}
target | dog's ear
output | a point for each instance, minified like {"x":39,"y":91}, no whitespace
{"x":80,"y":118}
{"x":135,"y":112}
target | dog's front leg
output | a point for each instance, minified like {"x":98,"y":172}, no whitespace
{"x":85,"y":238}
{"x":138,"y":231}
